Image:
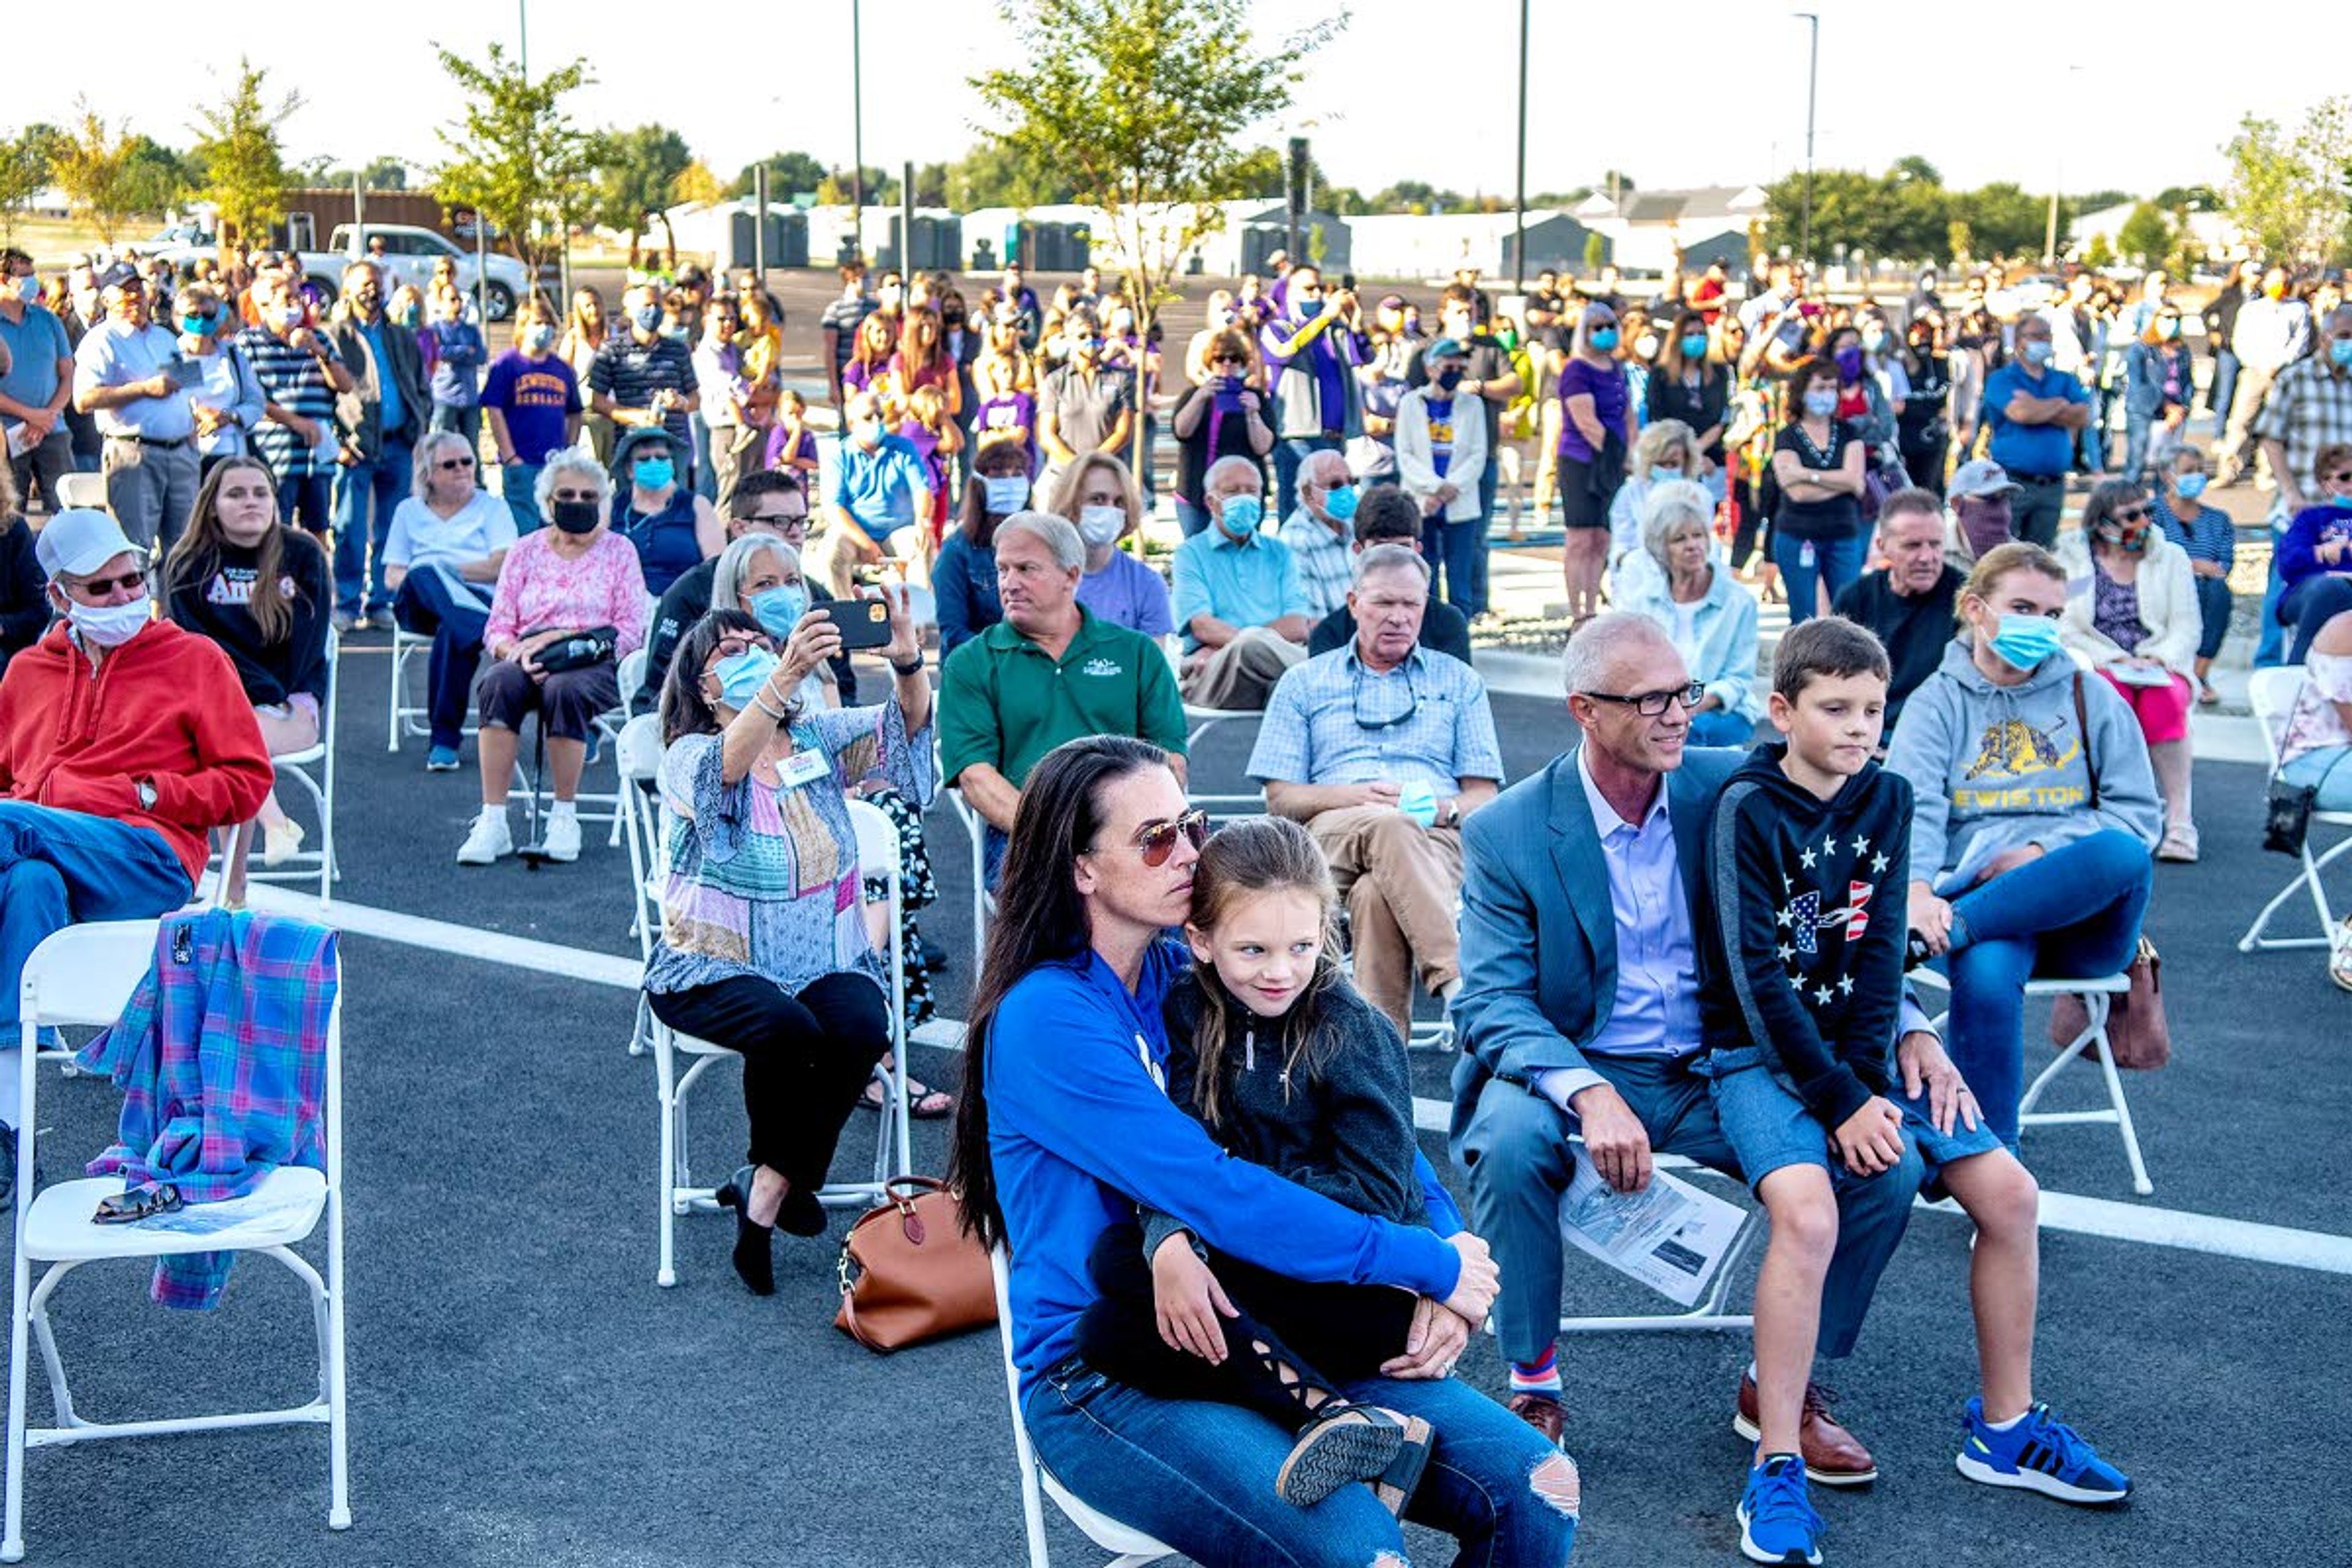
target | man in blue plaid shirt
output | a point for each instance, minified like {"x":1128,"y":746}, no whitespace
{"x":1381,"y":748}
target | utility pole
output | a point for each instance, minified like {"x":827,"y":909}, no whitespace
{"x":1519,"y":202}
{"x":2050,"y":234}
{"x":857,"y":125}
{"x":1812,"y":86}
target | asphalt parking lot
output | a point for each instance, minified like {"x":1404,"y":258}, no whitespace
{"x":523,"y":1394}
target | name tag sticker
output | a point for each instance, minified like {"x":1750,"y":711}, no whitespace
{"x":803,"y":767}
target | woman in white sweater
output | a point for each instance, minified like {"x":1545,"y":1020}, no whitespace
{"x":1440,"y":451}
{"x":2132,"y":615}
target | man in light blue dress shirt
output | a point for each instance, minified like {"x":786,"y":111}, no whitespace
{"x":121,"y":376}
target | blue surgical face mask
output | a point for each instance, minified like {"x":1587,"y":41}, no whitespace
{"x":2024,"y":641}
{"x":653,"y":473}
{"x":2191,"y":485}
{"x":196,"y":326}
{"x":538,"y":339}
{"x":1004,"y":494}
{"x":742,"y":676}
{"x":1603,"y":338}
{"x":2339,"y":351}
{"x":1821,"y":405}
{"x":1242,"y":514}
{"x":1341,"y":504}
{"x":1310,"y":309}
{"x":779,"y":609}
{"x":647,"y":317}
{"x":1694,"y":346}
{"x":2039,"y":352}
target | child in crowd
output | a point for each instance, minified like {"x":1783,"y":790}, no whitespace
{"x":1008,"y":402}
{"x":791,"y":444}
{"x":1287,"y":1068}
{"x":1800,"y":970}
{"x":931,"y":430}
{"x":458,"y":352}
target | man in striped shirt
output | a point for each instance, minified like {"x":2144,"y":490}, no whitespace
{"x":301,"y":375}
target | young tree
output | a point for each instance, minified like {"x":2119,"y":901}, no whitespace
{"x":696,"y":183}
{"x":2146,"y":237}
{"x":244,"y":169}
{"x":1149,"y":106}
{"x":515,"y":155}
{"x":2098,"y":256}
{"x":636,"y":178}
{"x":789,"y":174}
{"x":24,"y":170}
{"x":92,"y":164}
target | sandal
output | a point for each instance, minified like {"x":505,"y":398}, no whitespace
{"x":924,"y":1103}
{"x":1394,"y":1486}
{"x":134,"y":1204}
{"x":2206,"y":694}
{"x":1344,"y":1443}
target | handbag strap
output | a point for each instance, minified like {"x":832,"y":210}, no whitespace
{"x":2083,"y":728}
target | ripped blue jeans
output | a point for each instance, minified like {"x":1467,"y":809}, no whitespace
{"x":1200,"y":1477}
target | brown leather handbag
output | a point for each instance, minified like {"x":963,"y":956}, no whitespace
{"x":910,"y":1271}
{"x":2136,"y":1027}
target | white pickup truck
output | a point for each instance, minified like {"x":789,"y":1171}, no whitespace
{"x":408,"y":254}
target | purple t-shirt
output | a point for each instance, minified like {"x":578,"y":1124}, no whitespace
{"x":1126,"y":593}
{"x":1607,"y":390}
{"x":534,"y":396}
{"x":782,"y":445}
{"x":1008,"y":411}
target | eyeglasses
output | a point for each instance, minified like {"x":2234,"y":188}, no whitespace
{"x":2340,"y":479}
{"x":449,"y":465}
{"x":1157,"y":839}
{"x":1651,"y":704}
{"x":781,"y":519}
{"x":129,"y":582}
{"x":2139,"y":512}
{"x":1356,"y":706}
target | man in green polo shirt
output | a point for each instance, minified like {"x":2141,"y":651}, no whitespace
{"x":1046,"y":673}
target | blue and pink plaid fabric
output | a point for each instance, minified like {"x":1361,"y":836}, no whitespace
{"x":222,"y":1061}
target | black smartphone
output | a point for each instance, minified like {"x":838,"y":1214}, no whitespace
{"x":863,"y":623}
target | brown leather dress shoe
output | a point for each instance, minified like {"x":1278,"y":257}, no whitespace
{"x":1833,"y":1456}
{"x":1545,"y":1412}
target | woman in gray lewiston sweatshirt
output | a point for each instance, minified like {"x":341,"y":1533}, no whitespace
{"x":2035,"y":814}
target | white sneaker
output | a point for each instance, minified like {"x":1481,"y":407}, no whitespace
{"x":563,"y":836}
{"x":491,"y":838}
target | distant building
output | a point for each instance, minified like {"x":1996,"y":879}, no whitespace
{"x":2212,"y":235}
{"x":1408,"y":245}
{"x":1650,"y":229}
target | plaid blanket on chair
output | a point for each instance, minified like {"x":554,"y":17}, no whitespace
{"x":222,"y":1061}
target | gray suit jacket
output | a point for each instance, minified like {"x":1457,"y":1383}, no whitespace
{"x":1539,"y":930}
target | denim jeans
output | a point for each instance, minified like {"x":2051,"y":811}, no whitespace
{"x":2139,"y":429}
{"x":307,"y":500}
{"x":1452,"y":551}
{"x":367,"y":495}
{"x":1804,"y":563}
{"x":433,"y":602}
{"x":1516,"y":1149}
{"x":2213,"y":610}
{"x":2309,"y":605}
{"x":1291,"y":454}
{"x":2270,"y":630}
{"x":518,"y":484}
{"x":59,"y":867}
{"x":2075,"y":911}
{"x":1488,"y":479}
{"x":1200,"y":1476}
{"x":2224,"y":387}
{"x":2328,"y":770}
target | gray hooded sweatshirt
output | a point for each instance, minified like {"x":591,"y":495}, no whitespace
{"x":1995,"y":767}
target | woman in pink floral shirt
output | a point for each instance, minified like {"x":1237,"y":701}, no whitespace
{"x":577,"y":577}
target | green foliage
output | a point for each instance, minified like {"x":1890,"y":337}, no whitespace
{"x":2188,"y":198}
{"x":2012,"y":221}
{"x":835,"y":189}
{"x":789,"y":174}
{"x":1420,"y":197}
{"x":1960,"y":240}
{"x":1596,"y":251}
{"x":2098,"y":254}
{"x":2286,"y":194}
{"x":24,"y":171}
{"x":1907,"y":214}
{"x":1144,"y":103}
{"x":515,"y":154}
{"x":637,"y":177}
{"x":2146,"y":236}
{"x":108,"y":174}
{"x":1916,"y":170}
{"x":993,"y":174}
{"x":244,"y":169}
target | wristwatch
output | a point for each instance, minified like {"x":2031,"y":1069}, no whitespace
{"x":1452,"y":811}
{"x":145,"y":790}
{"x":912,"y":666}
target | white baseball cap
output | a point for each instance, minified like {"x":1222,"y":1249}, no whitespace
{"x":80,"y":539}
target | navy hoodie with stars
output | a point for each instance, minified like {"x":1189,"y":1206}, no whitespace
{"x":1801,"y":919}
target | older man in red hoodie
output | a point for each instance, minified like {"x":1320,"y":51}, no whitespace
{"x":125,"y":741}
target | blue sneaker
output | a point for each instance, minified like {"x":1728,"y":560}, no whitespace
{"x":1777,"y":1522}
{"x":441,"y":760}
{"x":2040,"y":1454}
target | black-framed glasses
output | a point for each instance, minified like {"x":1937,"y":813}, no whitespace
{"x":99,"y":587}
{"x":2139,"y":512}
{"x":1157,"y":839}
{"x":782,"y":519}
{"x":1651,"y":704}
{"x":1356,"y":705}
{"x":450,"y":465}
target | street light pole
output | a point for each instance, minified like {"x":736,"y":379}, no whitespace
{"x":1812,"y":85}
{"x":2050,"y":234}
{"x":858,"y":126}
{"x":1520,"y":203}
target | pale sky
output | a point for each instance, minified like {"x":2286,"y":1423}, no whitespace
{"x":2149,"y":106}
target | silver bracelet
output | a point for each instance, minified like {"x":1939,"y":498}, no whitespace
{"x":759,"y":700}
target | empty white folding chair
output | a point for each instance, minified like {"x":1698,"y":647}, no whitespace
{"x":1133,"y":1547}
{"x":1199,"y":722}
{"x":82,"y":491}
{"x":312,"y":772}
{"x":639,"y":753}
{"x":85,"y":976}
{"x":2273,"y":693}
{"x":878,"y":855}
{"x":2098,"y":994}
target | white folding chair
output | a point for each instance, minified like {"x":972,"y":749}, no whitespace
{"x":878,"y":854}
{"x":1705,"y":1315}
{"x":637,"y":752}
{"x":1134,"y":1548}
{"x":2098,"y":994}
{"x":296,"y":768}
{"x":1197,"y":723}
{"x":2273,"y":693}
{"x":85,"y":974}
{"x":82,"y":491}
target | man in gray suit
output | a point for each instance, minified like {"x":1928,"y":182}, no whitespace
{"x":1578,"y":1012}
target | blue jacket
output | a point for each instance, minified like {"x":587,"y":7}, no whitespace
{"x":1539,"y":930}
{"x":963,"y":582}
{"x":2144,"y":368}
{"x":2298,"y":547}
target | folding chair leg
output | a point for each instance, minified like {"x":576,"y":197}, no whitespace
{"x":2140,"y":1183}
{"x":12,"y":1539}
{"x":60,"y":1395}
{"x":664,"y":1072}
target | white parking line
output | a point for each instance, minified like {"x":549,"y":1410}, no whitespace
{"x":2141,"y":1223}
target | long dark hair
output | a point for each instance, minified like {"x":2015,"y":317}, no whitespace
{"x":197,"y":554}
{"x":1043,"y":921}
{"x":1261,"y":855}
{"x":683,"y":709}
{"x":1001,"y":460}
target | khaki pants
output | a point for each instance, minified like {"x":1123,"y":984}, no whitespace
{"x":1403,"y":883}
{"x":1242,"y":674}
{"x":827,"y":566}
{"x":2238,"y":451}
{"x":151,"y":490}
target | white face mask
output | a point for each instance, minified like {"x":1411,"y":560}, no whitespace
{"x":110,"y":626}
{"x":1101,"y":525}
